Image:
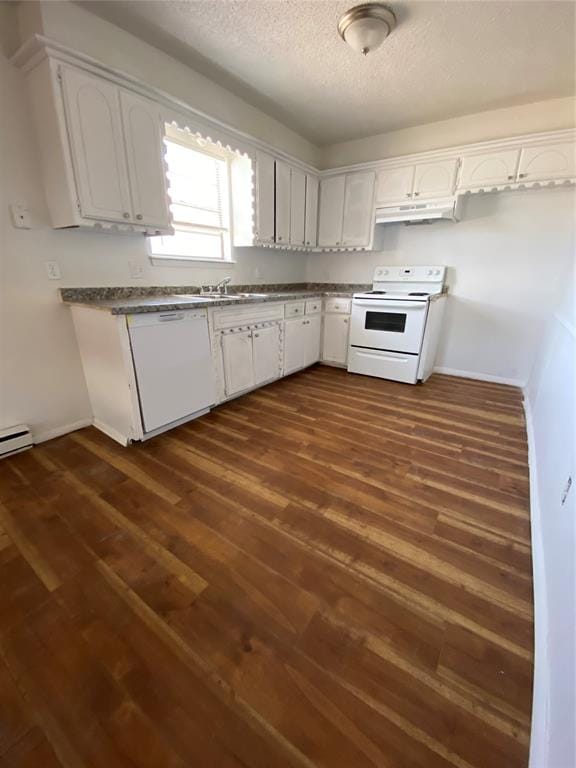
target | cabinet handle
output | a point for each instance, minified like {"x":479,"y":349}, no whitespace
{"x":307,"y":242}
{"x":522,"y":175}
{"x":416,"y":194}
{"x":139,"y":216}
{"x":510,"y":178}
{"x":346,"y":320}
{"x":126,"y":215}
{"x":256,"y":335}
{"x":279,"y":239}
{"x":408,"y":194}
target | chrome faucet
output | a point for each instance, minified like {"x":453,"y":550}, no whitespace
{"x":222,"y":286}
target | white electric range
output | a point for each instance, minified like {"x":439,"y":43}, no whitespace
{"x":395,"y":327}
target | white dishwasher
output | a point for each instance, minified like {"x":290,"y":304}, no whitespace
{"x":173,"y":365}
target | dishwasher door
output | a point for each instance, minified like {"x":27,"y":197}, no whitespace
{"x":173,"y":365}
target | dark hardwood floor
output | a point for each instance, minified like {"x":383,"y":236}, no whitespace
{"x":331,"y":571}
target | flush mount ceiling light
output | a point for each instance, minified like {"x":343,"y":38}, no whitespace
{"x":366,"y":26}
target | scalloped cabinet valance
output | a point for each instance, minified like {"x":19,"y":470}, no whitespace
{"x":101,"y":134}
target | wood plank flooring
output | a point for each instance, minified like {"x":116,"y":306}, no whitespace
{"x":331,"y":571}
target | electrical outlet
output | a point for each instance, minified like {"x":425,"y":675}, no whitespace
{"x":566,"y":490}
{"x":136,"y":270}
{"x":53,"y":270}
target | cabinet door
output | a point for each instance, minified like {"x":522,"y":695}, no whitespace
{"x":237,"y":361}
{"x":488,"y":169}
{"x":266,"y":353}
{"x":358,"y":222}
{"x":435,"y":179}
{"x":394,"y":185}
{"x":282,"y":203}
{"x":294,"y":336}
{"x":335,"y":341}
{"x":297,"y":206}
{"x":95,"y":130}
{"x":145,"y":147}
{"x":331,"y":210}
{"x":264,"y":193}
{"x":312,"y":339}
{"x":556,"y":161}
{"x":311,"y":223}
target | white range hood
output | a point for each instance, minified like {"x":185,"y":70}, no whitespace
{"x":446,"y":208}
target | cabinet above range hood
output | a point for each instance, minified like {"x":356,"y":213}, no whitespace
{"x":423,"y":212}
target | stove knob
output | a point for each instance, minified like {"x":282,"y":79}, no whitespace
{"x":430,"y":272}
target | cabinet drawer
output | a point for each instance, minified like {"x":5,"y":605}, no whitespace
{"x":338,"y":306}
{"x":294,"y":309}
{"x":247,"y":315}
{"x":313,"y":306}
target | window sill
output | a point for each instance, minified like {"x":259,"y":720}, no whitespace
{"x":187,"y":261}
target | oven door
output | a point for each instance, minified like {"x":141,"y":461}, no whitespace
{"x":394,"y":326}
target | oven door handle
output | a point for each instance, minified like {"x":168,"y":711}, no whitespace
{"x":389,"y":304}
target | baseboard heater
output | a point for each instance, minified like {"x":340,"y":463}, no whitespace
{"x":14,"y":439}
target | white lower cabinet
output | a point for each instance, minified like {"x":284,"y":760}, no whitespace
{"x":238,"y":361}
{"x":312,"y":339}
{"x":302,"y":337}
{"x":266,"y":354}
{"x":335,"y":341}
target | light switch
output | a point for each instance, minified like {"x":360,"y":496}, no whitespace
{"x":53,"y":270}
{"x":20,"y":216}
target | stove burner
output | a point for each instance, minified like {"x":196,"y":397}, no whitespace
{"x":418,"y":293}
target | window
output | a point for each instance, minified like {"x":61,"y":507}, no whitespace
{"x":200,"y":204}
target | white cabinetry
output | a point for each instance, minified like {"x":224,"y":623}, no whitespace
{"x":336,"y":331}
{"x":312,"y":339}
{"x":423,"y":180}
{"x":346,"y":217}
{"x":266,"y":353}
{"x":331,"y":210}
{"x":112,"y":139}
{"x":264,"y":198}
{"x":297,"y":206}
{"x":146,"y":171}
{"x":435,"y":179}
{"x":554,"y":161}
{"x":238,"y":361}
{"x":301,"y":343}
{"x":96,"y":145}
{"x":282,"y":203}
{"x":311,"y":216}
{"x":394,"y":184}
{"x":489,"y":169}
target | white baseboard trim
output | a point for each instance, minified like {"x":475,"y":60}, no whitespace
{"x":50,"y":434}
{"x":540,"y":734}
{"x":480,"y":377}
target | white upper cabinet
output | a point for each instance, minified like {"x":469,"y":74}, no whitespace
{"x":147,"y":174}
{"x":297,"y":206}
{"x":358,"y":219}
{"x":331,"y":210}
{"x":435,"y":179}
{"x":424,"y":180}
{"x":282,"y":203}
{"x":489,"y":169}
{"x":97,"y":147}
{"x":555,"y":161}
{"x":264,"y":194}
{"x":394,"y":184}
{"x":311,"y":217}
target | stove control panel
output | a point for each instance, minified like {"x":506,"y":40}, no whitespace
{"x":410,"y":274}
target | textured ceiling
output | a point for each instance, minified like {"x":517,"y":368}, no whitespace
{"x":444,"y":59}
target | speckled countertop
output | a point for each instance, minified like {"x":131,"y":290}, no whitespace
{"x":128,"y":300}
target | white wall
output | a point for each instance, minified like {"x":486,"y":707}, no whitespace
{"x":507,"y":258}
{"x":551,"y":410}
{"x":41,"y":380}
{"x":549,"y":115}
